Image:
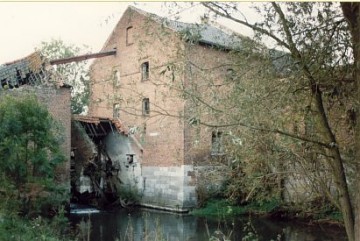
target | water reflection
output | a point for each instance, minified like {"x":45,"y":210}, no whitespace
{"x":150,"y":225}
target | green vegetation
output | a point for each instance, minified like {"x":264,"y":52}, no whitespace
{"x":74,"y":74}
{"x":17,"y":228}
{"x":29,"y":155}
{"x":224,"y":208}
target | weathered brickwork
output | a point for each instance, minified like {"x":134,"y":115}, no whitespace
{"x":167,"y":141}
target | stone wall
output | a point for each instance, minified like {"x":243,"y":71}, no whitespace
{"x":169,"y":188}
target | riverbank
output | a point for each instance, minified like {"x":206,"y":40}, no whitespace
{"x":141,"y":224}
{"x":273,"y":209}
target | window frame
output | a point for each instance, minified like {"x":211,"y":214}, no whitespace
{"x":145,"y":71}
{"x":217,"y":145}
{"x":117,"y":77}
{"x":145,"y":106}
{"x":116,"y":110}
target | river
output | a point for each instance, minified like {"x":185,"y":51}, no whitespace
{"x":151,"y":225}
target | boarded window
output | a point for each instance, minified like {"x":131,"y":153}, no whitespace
{"x":146,"y":106}
{"x":129,"y":36}
{"x":145,"y":71}
{"x":116,"y":110}
{"x":216,"y":143}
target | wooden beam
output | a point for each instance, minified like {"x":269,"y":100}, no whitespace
{"x":82,"y":57}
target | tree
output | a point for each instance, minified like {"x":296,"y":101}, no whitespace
{"x":74,"y":74}
{"x":316,"y":37}
{"x":29,"y":147}
{"x":351,"y":12}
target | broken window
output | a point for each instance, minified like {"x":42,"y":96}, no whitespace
{"x":146,"y":106}
{"x":129,"y":36}
{"x":116,"y":77}
{"x":116,"y":110}
{"x":216,"y":143}
{"x":145,"y":71}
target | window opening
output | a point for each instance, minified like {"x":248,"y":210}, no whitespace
{"x":130,"y":158}
{"x":146,"y":106}
{"x":129,"y":36}
{"x":216,"y":143}
{"x":116,"y":77}
{"x":145,"y":71}
{"x":116,"y":110}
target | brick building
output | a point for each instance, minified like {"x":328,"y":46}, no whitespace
{"x":148,"y":86}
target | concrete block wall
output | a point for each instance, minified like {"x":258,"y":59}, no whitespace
{"x":169,"y":187}
{"x":165,"y":187}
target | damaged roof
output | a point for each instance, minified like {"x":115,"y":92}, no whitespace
{"x":22,"y":71}
{"x":100,"y":126}
{"x":203,"y":33}
{"x":31,"y":70}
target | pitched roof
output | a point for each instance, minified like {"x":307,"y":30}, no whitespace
{"x":203,"y":33}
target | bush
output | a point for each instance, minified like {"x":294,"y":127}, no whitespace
{"x":29,"y":153}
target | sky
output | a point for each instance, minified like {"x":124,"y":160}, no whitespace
{"x":24,"y":25}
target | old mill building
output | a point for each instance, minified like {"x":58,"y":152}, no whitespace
{"x":146,"y":86}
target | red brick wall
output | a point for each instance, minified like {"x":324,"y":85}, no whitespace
{"x":205,"y":78}
{"x":58,"y":102}
{"x":163,"y":142}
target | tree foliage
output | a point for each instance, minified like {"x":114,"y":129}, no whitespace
{"x":74,"y":74}
{"x":316,"y":119}
{"x":29,"y":151}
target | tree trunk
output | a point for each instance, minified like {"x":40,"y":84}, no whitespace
{"x":337,"y":166}
{"x":351,"y":12}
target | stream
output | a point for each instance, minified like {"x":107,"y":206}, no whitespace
{"x":152,"y":225}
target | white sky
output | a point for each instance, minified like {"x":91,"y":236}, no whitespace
{"x":24,"y":25}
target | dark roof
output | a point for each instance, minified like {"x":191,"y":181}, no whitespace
{"x":28,"y":70}
{"x":203,"y":33}
{"x":31,"y":70}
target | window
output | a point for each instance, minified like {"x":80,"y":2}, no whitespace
{"x":216,"y":143}
{"x":146,"y":106}
{"x":130,"y":158}
{"x":129,"y":36}
{"x":144,"y":71}
{"x":116,"y":78}
{"x":116,"y":110}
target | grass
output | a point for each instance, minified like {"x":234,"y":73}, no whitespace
{"x":219,"y":208}
{"x":223,"y":208}
{"x":16,"y":228}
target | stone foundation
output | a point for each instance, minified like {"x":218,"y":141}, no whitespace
{"x":170,"y":188}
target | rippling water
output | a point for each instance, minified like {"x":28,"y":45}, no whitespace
{"x":150,"y":225}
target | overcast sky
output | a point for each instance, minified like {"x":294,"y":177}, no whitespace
{"x":24,"y":25}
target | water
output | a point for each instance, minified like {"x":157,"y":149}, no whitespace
{"x":150,"y":225}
